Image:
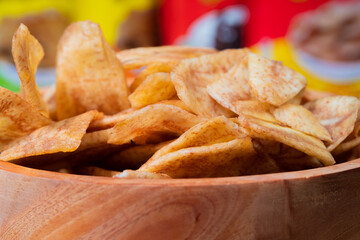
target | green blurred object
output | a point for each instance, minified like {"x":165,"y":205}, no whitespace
{"x":6,"y":83}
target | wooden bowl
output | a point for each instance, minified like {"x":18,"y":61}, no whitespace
{"x":320,"y":203}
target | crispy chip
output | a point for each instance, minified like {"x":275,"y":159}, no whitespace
{"x":150,"y":69}
{"x":17,"y":116}
{"x":232,"y":87}
{"x":346,"y":146}
{"x":49,"y":96}
{"x":63,"y":136}
{"x":140,"y":175}
{"x":255,"y":109}
{"x":192,"y":76}
{"x":88,"y":74}
{"x":232,"y":158}
{"x":27,"y":53}
{"x":108,"y":121}
{"x":293,"y":138}
{"x":156,"y":87}
{"x":337,"y":114}
{"x":272,"y":82}
{"x":216,"y":130}
{"x":177,"y":103}
{"x":299,"y":118}
{"x":139,"y":57}
{"x":158,"y":118}
{"x":311,"y":95}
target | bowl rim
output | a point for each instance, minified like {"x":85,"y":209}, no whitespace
{"x":238,"y":180}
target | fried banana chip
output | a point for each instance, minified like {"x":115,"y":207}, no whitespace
{"x":156,"y":87}
{"x":49,"y":96}
{"x":108,"y":121}
{"x":346,"y":146}
{"x":337,"y":114}
{"x":272,"y":82}
{"x":216,"y":130}
{"x":299,"y":118}
{"x":140,"y":125}
{"x":150,"y":69}
{"x":27,"y":53}
{"x":192,"y":76}
{"x":63,"y":136}
{"x":232,"y":87}
{"x":140,"y":175}
{"x":232,"y":158}
{"x":265,"y":130}
{"x":88,"y":74}
{"x":255,"y":109}
{"x":17,"y":116}
{"x":139,"y":57}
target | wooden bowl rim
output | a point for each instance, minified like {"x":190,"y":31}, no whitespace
{"x":264,"y":178}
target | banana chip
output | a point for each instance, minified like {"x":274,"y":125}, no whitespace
{"x":337,"y":114}
{"x":192,"y":76}
{"x":255,"y":109}
{"x":155,"y":88}
{"x":88,"y":74}
{"x":272,"y":82}
{"x":17,"y":116}
{"x":299,"y":118}
{"x":27,"y":53}
{"x":140,"y":126}
{"x":63,"y":136}
{"x":139,"y":57}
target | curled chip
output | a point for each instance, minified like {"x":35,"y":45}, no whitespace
{"x":27,"y":53}
{"x":63,"y":136}
{"x":232,"y":158}
{"x":156,"y":87}
{"x":88,"y":74}
{"x":17,"y":116}
{"x":256,"y":109}
{"x":272,"y":82}
{"x":293,"y":138}
{"x":192,"y":76}
{"x":142,"y":124}
{"x":139,"y":57}
{"x":337,"y":114}
{"x":299,"y":118}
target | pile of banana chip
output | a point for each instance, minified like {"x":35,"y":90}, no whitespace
{"x":169,"y":112}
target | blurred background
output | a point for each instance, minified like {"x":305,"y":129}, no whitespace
{"x":318,"y":38}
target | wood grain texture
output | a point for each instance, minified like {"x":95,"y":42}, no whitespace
{"x":314,"y":204}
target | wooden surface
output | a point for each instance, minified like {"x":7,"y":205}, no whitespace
{"x":314,"y":204}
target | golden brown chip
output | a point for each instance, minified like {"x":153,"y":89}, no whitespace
{"x":177,"y":103}
{"x":272,"y":82}
{"x":94,"y":139}
{"x":17,"y":116}
{"x":312,"y":95}
{"x":27,"y":53}
{"x":337,"y":114}
{"x":156,"y":87}
{"x":139,"y":57}
{"x":140,"y":175}
{"x":216,"y":130}
{"x":346,"y":146}
{"x":265,"y":130}
{"x":140,"y":125}
{"x":192,"y":76}
{"x":255,"y":109}
{"x":108,"y":121}
{"x":63,"y":136}
{"x":299,"y":118}
{"x":49,"y":96}
{"x":150,"y":69}
{"x":88,"y":74}
{"x":232,"y":158}
{"x":231,"y":87}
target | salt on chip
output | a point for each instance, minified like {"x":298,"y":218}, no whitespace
{"x":293,"y":138}
{"x":27,"y":53}
{"x":62,"y":136}
{"x":192,"y":76}
{"x":337,"y":114}
{"x":155,"y":88}
{"x":88,"y":74}
{"x":143,"y":56}
{"x":17,"y":116}
{"x":232,"y":158}
{"x":216,"y":130}
{"x":140,"y":125}
{"x":299,"y":118}
{"x":272,"y":82}
{"x":150,"y":69}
